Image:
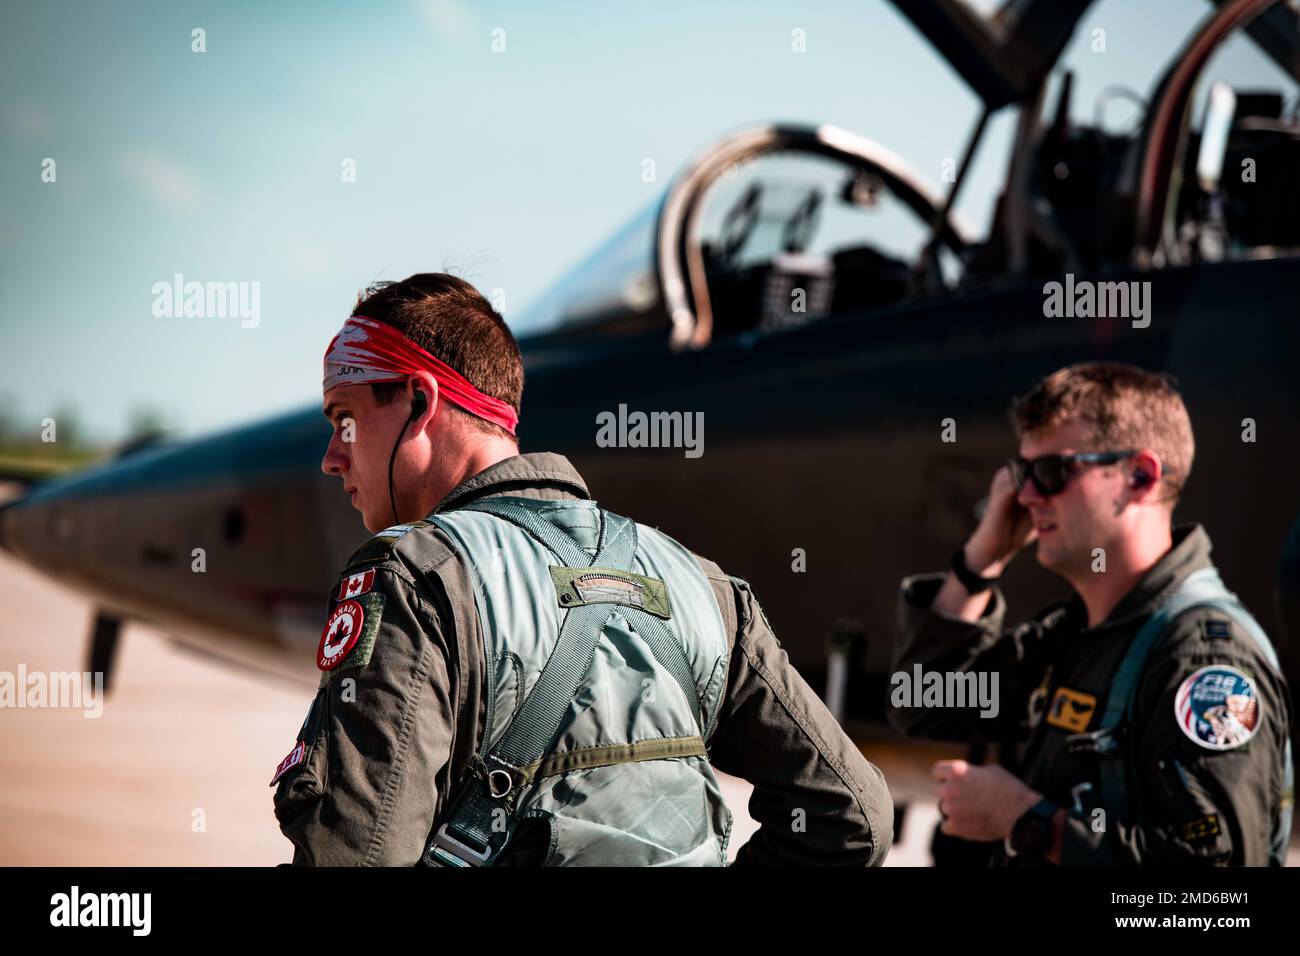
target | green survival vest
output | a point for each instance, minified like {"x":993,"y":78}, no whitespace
{"x":605,"y":657}
{"x":1202,"y":588}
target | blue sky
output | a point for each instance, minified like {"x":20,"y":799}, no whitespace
{"x":506,"y":167}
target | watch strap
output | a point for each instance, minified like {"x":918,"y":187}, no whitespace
{"x":972,"y":582}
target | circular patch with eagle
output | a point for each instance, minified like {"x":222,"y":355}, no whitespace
{"x":1217,"y":707}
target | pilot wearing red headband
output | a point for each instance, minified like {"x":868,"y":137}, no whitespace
{"x":512,"y":675}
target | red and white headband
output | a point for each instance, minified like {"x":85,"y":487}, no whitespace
{"x":367,"y":351}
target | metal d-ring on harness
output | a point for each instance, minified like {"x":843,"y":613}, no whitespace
{"x":478,"y":824}
{"x":1111,"y":742}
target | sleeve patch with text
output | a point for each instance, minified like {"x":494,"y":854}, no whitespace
{"x":1217,"y":707}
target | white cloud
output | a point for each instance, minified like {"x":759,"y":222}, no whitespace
{"x":163,"y":178}
{"x":450,"y":18}
{"x":30,"y":122}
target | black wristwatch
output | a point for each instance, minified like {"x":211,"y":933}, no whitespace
{"x":1032,"y":835}
{"x":971,"y":581}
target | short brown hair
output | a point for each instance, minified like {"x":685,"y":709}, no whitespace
{"x":450,"y":319}
{"x":1120,"y":406}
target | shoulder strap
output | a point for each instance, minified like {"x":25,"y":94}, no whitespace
{"x":1198,"y":588}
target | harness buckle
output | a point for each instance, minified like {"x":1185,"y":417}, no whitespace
{"x":1103,"y":742}
{"x":1076,"y":795}
{"x":447,"y":850}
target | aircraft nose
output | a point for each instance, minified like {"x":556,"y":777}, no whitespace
{"x":44,"y":530}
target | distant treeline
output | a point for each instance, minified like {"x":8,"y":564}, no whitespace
{"x":38,"y":445}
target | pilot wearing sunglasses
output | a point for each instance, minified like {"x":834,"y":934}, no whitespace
{"x":1153,"y":716}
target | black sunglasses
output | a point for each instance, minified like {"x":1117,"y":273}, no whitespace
{"x":1049,"y":473}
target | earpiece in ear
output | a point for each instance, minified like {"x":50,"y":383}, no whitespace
{"x":1141,"y":479}
{"x":419,"y":404}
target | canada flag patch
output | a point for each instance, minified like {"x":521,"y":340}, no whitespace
{"x":357,"y":584}
{"x":341,"y":633}
{"x":288,"y":763}
{"x":1217,"y":707}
